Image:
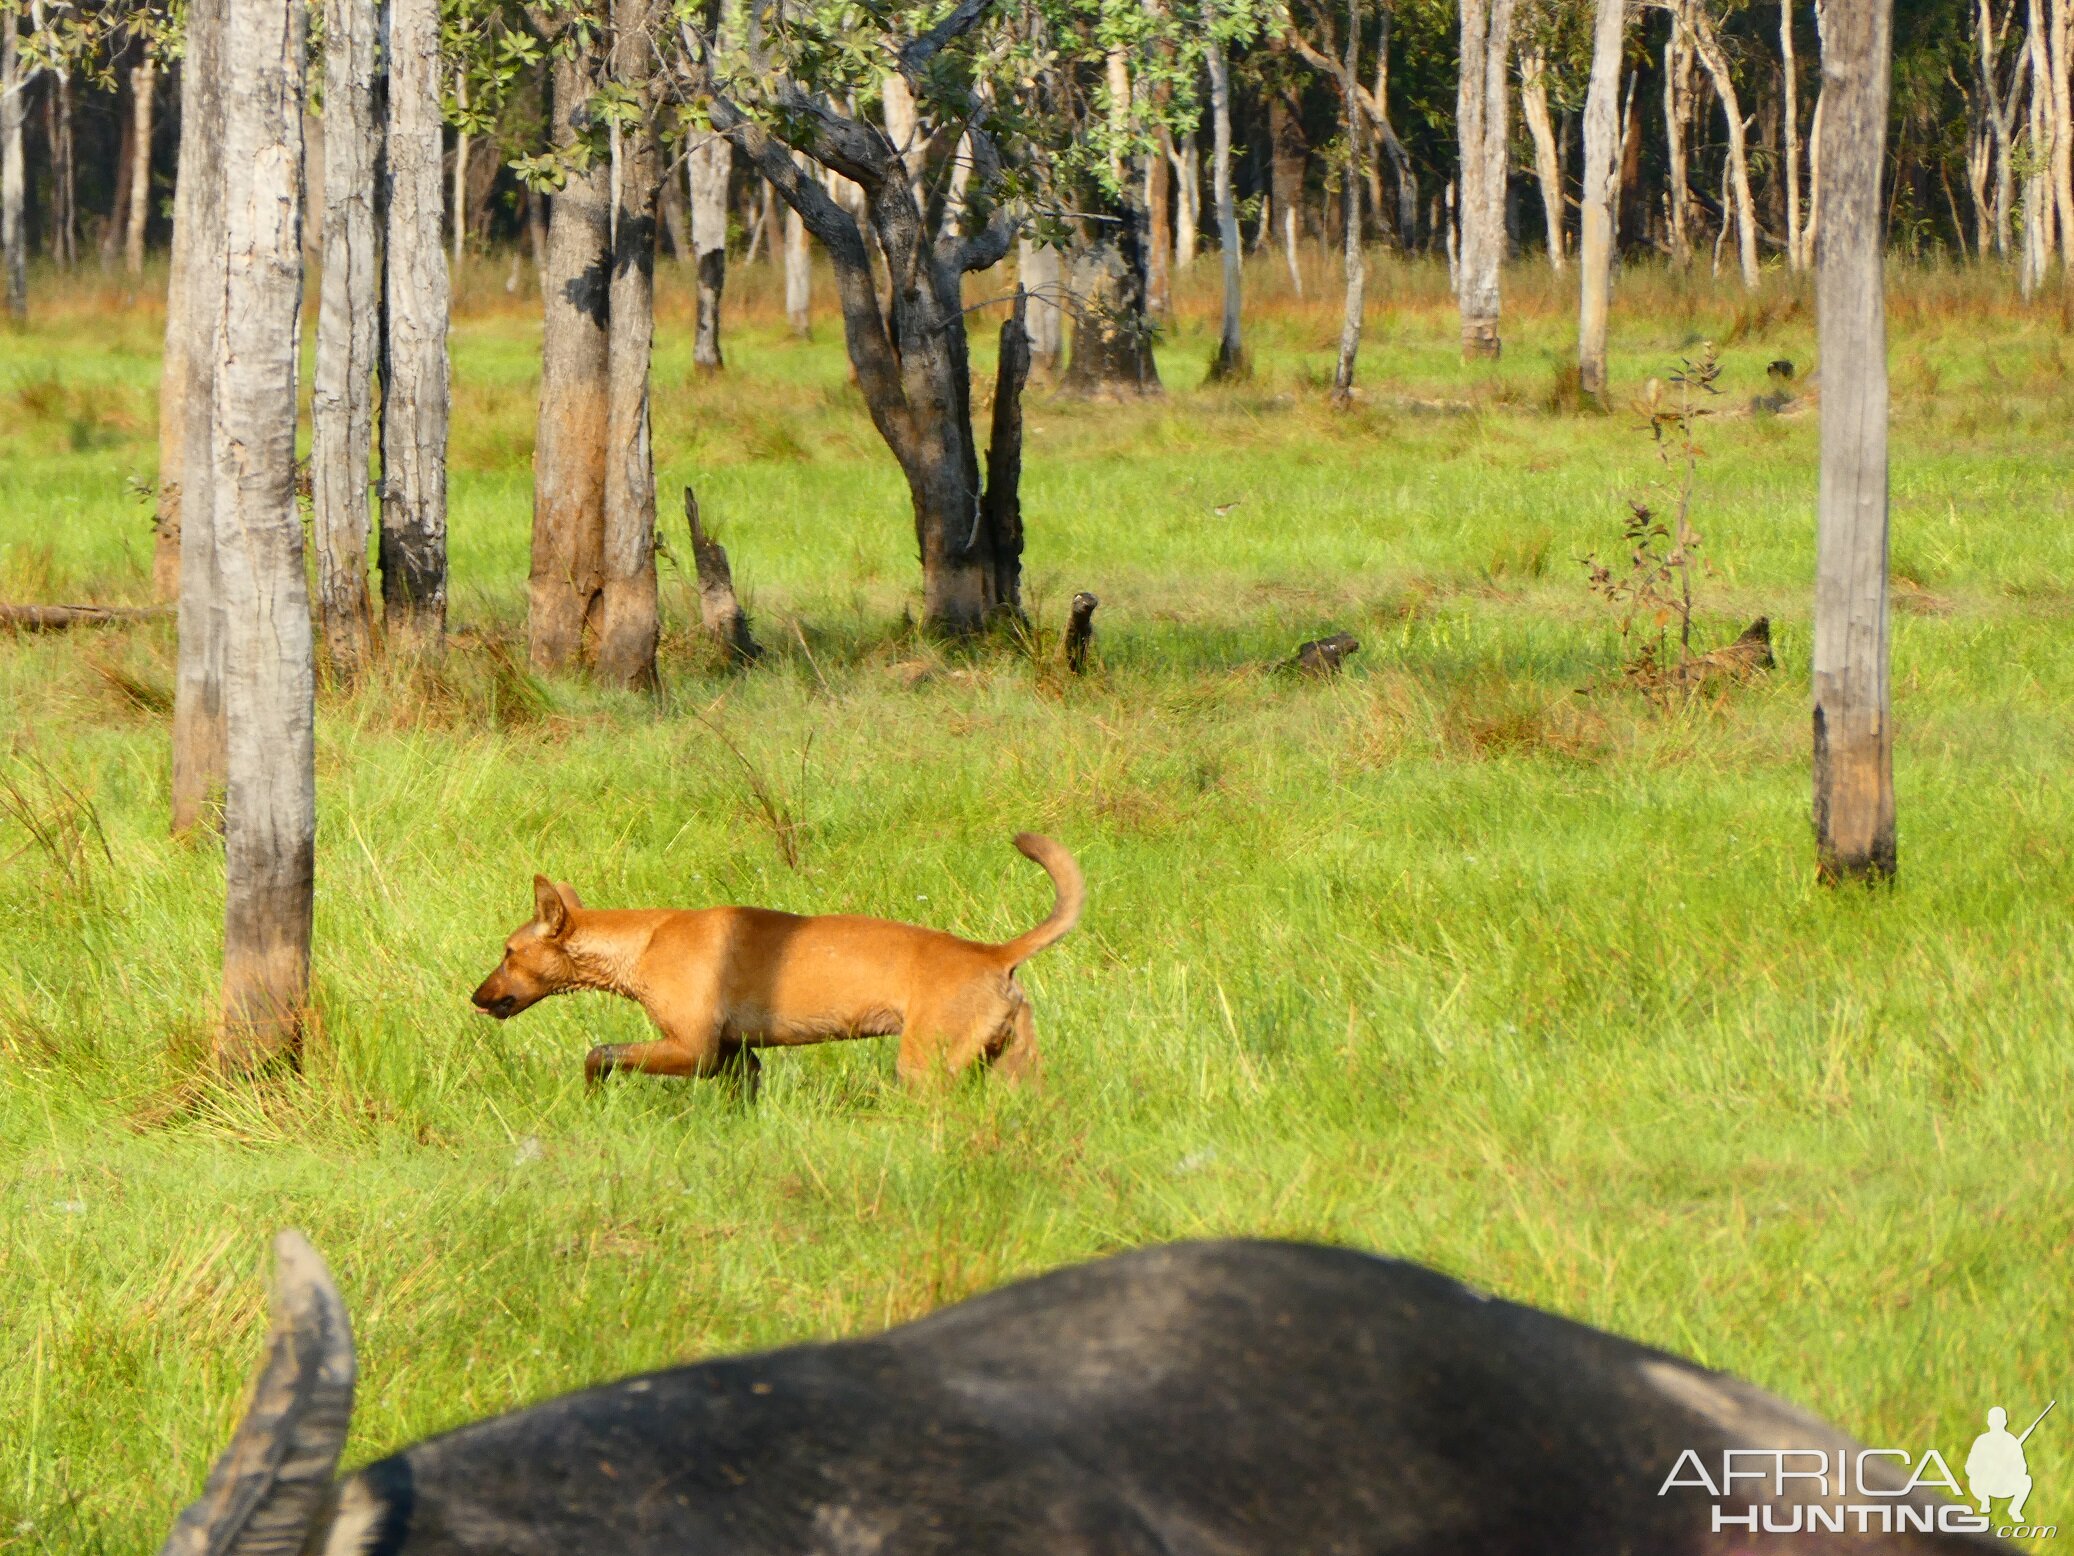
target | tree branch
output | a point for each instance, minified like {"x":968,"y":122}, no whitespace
{"x":915,"y":57}
{"x":864,"y":326}
{"x":986,"y":247}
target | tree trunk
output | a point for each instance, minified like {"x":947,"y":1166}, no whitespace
{"x":1185,"y":161}
{"x":1708,"y":48}
{"x":627,"y":618}
{"x":1601,"y":181}
{"x":2039,"y":199}
{"x":1112,"y":345}
{"x":799,"y":275}
{"x":1814,"y":226}
{"x":417,"y":296}
{"x":1285,"y":172}
{"x":569,"y":450}
{"x":712,"y":167}
{"x":460,"y":217}
{"x":1159,"y":260}
{"x":1230,"y":361}
{"x":1796,"y":257}
{"x":270,"y":806}
{"x":187,"y":470}
{"x":1356,"y":261}
{"x":1041,"y":276}
{"x":64,"y":172}
{"x":1400,"y":158}
{"x":2062,"y":140}
{"x":143,"y":85}
{"x":14,"y":182}
{"x":1001,"y":515}
{"x":125,"y":159}
{"x":1677,"y":74}
{"x":1480,"y":107}
{"x":1854,"y":780}
{"x":1980,"y":167}
{"x":1548,"y":167}
{"x":1629,"y":211}
{"x":348,"y":321}
{"x":2001,"y":117}
{"x":676,"y":217}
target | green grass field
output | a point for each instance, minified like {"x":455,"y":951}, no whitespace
{"x":1470,"y":956}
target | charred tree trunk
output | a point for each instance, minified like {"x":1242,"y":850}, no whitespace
{"x":720,"y":611}
{"x":1230,"y":361}
{"x":14,"y":180}
{"x":187,"y":473}
{"x":270,"y":805}
{"x":1854,"y":778}
{"x":348,"y":319}
{"x":1001,"y":510}
{"x":1480,"y":109}
{"x":143,"y":90}
{"x":569,"y":451}
{"x":417,"y":296}
{"x":1548,"y":169}
{"x":712,"y":167}
{"x":628,"y":619}
{"x":1601,"y":179}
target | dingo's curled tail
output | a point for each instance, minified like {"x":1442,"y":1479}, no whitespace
{"x":1065,"y":913}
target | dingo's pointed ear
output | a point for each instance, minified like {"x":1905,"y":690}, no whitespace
{"x":570,"y":900}
{"x":549,"y":911}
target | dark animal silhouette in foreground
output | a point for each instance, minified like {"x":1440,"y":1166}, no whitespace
{"x":1230,"y":1399}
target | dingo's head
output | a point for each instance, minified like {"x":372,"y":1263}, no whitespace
{"x":536,"y":956}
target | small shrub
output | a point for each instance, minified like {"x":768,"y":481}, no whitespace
{"x":1654,"y":588}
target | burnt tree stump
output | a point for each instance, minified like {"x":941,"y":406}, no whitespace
{"x":1080,"y":631}
{"x":1737,"y":661}
{"x":719,"y":609}
{"x":1323,"y":656}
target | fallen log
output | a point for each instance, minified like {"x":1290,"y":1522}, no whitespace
{"x":1323,"y":656}
{"x":56,"y":618}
